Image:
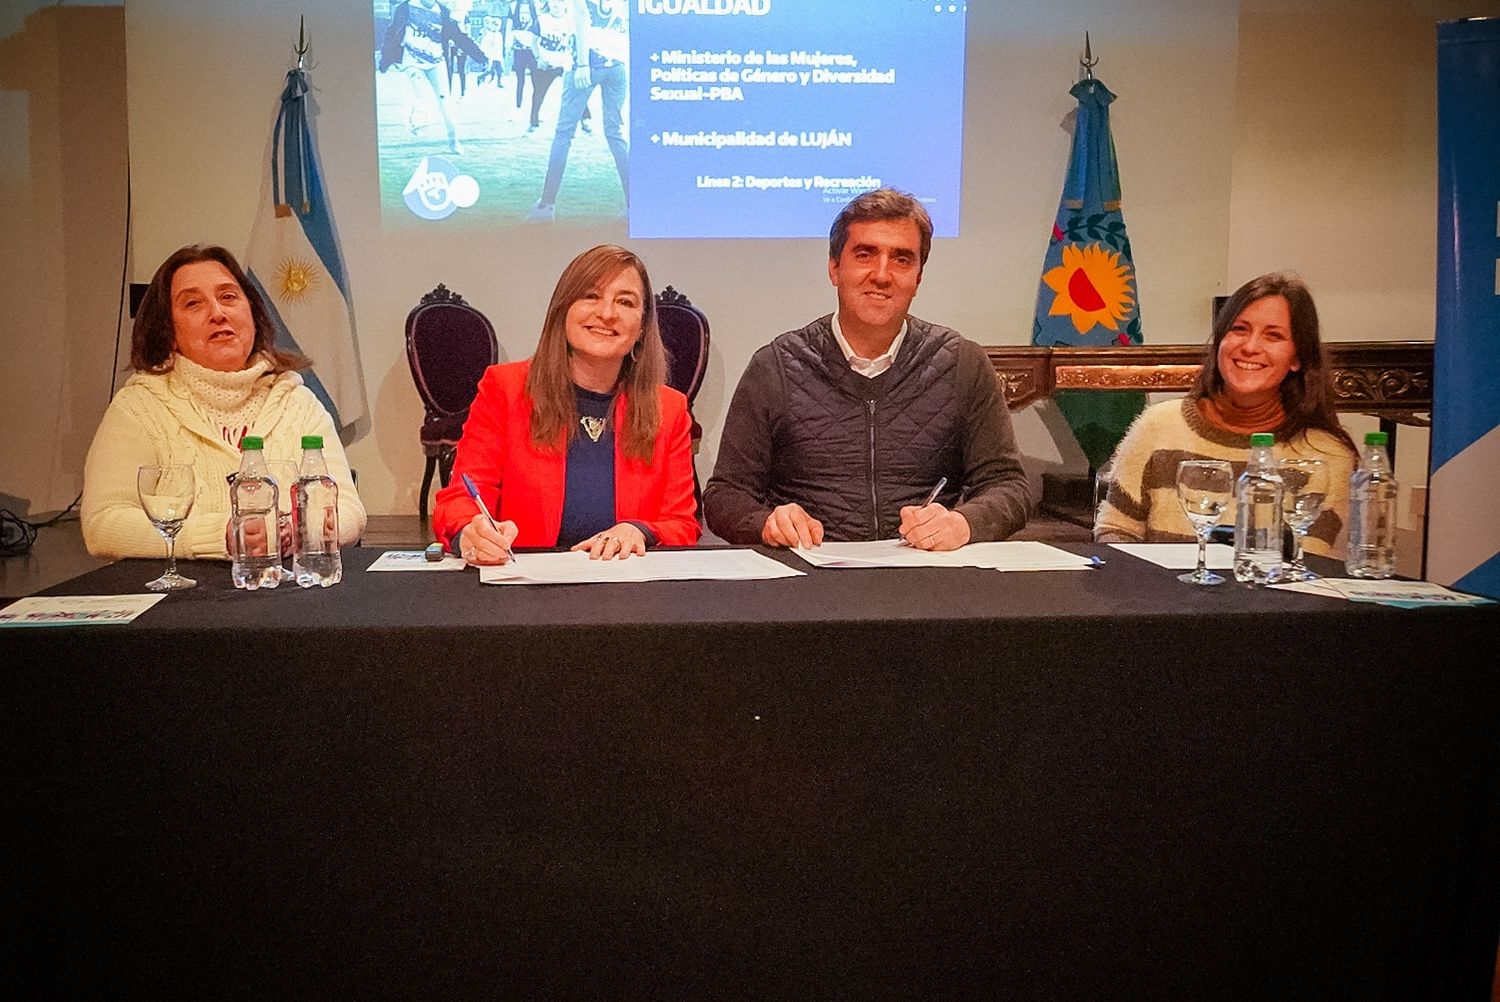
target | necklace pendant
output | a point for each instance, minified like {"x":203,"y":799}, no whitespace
{"x":593,"y":427}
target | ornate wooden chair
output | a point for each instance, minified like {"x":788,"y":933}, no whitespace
{"x":684,"y":332}
{"x":449,"y":344}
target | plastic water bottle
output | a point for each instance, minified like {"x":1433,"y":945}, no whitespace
{"x":315,"y":520}
{"x":256,"y":553}
{"x":1257,"y":516}
{"x":1372,"y":513}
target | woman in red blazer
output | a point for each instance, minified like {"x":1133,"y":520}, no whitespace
{"x":583,"y":445}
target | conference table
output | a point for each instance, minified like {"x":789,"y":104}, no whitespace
{"x":884,"y":782}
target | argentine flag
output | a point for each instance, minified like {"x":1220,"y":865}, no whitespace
{"x":1463,"y":533}
{"x":294,"y":261}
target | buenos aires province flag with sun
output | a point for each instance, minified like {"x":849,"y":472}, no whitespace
{"x":1087,"y":294}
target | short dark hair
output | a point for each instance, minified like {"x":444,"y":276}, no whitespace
{"x":879,"y":205}
{"x":152,"y":338}
{"x":1307,"y":394}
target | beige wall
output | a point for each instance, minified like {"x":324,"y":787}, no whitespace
{"x":1335,"y":160}
{"x":1335,"y":170}
{"x":1251,"y":135}
{"x":62,"y":224}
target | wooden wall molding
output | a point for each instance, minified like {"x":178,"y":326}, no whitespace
{"x":1390,"y":379}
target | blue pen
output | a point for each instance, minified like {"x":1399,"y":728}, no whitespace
{"x":474,"y":493}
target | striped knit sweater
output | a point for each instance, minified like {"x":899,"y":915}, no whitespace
{"x":1141,"y":504}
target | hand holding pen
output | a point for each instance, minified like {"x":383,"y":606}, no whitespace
{"x":485,"y":541}
{"x":930,"y":526}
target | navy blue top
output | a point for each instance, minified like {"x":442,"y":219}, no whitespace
{"x":589,"y":493}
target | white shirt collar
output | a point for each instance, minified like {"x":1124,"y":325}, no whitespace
{"x":868,"y":367}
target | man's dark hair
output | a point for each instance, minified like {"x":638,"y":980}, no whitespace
{"x":877,"y":206}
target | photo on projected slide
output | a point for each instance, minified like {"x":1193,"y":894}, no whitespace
{"x":678,"y":118}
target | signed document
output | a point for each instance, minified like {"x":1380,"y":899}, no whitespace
{"x":575,"y":567}
{"x":1012,"y":555}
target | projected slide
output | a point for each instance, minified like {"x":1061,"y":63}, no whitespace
{"x":763,"y":121}
{"x":688,"y":118}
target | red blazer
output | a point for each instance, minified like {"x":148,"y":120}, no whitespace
{"x":524,"y":484}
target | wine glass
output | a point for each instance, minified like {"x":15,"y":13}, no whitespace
{"x":166,"y":494}
{"x":1203,"y":487}
{"x":1304,"y":487}
{"x":1103,"y":477}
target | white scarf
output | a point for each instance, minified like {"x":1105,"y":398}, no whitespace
{"x":228,"y":401}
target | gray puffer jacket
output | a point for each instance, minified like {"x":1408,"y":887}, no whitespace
{"x":803,"y":427}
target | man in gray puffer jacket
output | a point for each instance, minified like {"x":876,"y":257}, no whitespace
{"x":842,"y":429}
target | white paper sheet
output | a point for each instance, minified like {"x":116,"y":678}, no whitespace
{"x":77,"y":610}
{"x":1180,"y":556}
{"x":1400,"y":594}
{"x":575,"y":567}
{"x":1395,"y":592}
{"x":414,"y":560}
{"x":1014,"y":555}
{"x":1318,"y":586}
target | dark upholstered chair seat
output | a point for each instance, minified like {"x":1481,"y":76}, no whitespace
{"x":442,"y":430}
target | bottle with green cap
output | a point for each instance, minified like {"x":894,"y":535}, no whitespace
{"x":1257,"y":516}
{"x":315,"y":520}
{"x":1372,"y":513}
{"x":254,"y":534}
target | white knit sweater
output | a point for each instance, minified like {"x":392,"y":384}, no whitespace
{"x":158,"y":419}
{"x":1142,"y":505}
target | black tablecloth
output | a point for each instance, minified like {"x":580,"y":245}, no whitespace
{"x":1087,"y":784}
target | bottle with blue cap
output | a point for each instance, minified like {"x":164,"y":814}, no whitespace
{"x":315,"y":520}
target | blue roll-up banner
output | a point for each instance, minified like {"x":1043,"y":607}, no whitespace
{"x":1463,"y":532}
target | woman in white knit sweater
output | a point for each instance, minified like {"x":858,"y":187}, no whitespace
{"x":207,"y":373}
{"x":1263,"y":371}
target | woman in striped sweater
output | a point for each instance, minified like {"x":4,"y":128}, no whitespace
{"x":1263,"y":371}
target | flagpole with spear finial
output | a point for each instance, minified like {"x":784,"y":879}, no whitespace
{"x":303,"y":45}
{"x":1088,"y":62}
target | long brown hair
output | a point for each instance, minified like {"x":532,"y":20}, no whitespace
{"x":554,"y":410}
{"x":152,"y":338}
{"x":1307,"y":394}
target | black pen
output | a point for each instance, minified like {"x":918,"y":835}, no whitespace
{"x":931,"y":497}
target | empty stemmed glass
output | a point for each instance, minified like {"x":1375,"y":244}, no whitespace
{"x":1304,"y":487}
{"x":166,"y":494}
{"x":1203,"y":487}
